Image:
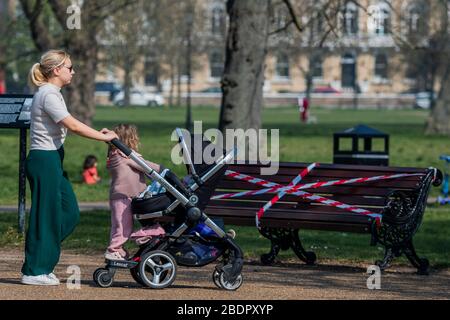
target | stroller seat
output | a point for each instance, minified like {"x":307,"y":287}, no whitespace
{"x":156,"y":203}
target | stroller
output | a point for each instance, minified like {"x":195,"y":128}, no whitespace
{"x":192,"y":239}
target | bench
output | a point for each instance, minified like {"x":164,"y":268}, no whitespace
{"x":401,"y":203}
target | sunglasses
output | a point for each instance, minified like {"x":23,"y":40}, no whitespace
{"x":69,"y":67}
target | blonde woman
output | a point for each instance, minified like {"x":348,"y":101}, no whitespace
{"x":54,"y":209}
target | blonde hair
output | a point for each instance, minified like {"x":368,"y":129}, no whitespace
{"x":41,"y":72}
{"x":128,"y":134}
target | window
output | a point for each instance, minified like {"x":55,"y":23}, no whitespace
{"x":416,"y":19}
{"x":282,"y":69}
{"x":379,"y":19}
{"x":151,"y":73}
{"x":218,"y":21}
{"x":350,"y":18}
{"x":381,"y":66}
{"x":216,"y":64}
{"x":315,"y":65}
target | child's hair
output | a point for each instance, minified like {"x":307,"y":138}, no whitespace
{"x":89,"y":162}
{"x":41,"y":72}
{"x":128,"y":134}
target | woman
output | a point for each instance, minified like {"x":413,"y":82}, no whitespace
{"x":54,"y":209}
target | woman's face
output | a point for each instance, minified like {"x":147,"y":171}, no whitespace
{"x":65,"y":72}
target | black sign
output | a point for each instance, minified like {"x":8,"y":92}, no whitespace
{"x":15,"y":110}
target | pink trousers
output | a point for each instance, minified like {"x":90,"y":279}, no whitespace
{"x":121,"y":224}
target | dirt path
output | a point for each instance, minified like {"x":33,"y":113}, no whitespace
{"x":290,"y":281}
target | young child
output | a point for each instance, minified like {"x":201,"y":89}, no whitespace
{"x":90,"y":174}
{"x":128,"y":180}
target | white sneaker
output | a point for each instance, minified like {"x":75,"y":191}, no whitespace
{"x":53,"y":276}
{"x":113,"y":256}
{"x":40,"y":280}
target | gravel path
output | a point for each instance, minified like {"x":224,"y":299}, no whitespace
{"x":288,"y":281}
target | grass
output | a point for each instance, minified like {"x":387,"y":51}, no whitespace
{"x":92,"y":234}
{"x":298,"y":142}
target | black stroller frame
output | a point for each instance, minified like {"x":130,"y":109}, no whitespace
{"x":153,"y":265}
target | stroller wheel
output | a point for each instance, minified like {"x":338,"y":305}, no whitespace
{"x":215,"y":279}
{"x":136,"y":275}
{"x":103,"y":278}
{"x":228,"y":285}
{"x":157,"y":269}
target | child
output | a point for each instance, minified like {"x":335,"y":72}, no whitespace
{"x":90,"y":175}
{"x":128,"y":180}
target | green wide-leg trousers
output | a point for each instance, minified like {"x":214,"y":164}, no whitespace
{"x":54,"y":211}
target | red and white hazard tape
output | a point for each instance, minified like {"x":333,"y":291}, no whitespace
{"x":281,"y":194}
{"x":294,"y":189}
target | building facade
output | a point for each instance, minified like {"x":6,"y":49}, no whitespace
{"x":364,"y":53}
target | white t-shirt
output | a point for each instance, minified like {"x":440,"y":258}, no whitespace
{"x":47,"y":111}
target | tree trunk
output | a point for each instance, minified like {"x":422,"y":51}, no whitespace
{"x":179,"y":83}
{"x":243,"y":78}
{"x":127,"y":83}
{"x":439,"y":120}
{"x":81,"y":93}
{"x":172,"y":86}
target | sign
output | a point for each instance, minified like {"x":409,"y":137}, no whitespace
{"x":15,"y":111}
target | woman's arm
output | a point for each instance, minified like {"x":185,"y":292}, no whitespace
{"x":83,"y":130}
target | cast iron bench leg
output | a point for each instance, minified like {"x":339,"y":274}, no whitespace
{"x":408,"y":249}
{"x":389,"y":255}
{"x":282,"y":238}
{"x":421,"y":264}
{"x":308,"y":257}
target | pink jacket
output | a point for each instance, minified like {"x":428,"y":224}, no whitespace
{"x":128,"y":179}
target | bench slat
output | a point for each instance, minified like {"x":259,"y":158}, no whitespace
{"x":231,"y":187}
{"x":228,"y":182}
{"x":294,"y":168}
{"x":288,"y":215}
{"x":348,"y":199}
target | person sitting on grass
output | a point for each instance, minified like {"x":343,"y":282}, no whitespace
{"x":90,"y":174}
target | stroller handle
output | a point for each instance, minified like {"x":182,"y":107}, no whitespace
{"x":121,"y":146}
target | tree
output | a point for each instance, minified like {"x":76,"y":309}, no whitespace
{"x":439,"y":119}
{"x":424,"y":41}
{"x":243,"y":78}
{"x":124,"y":42}
{"x":5,"y":26}
{"x":81,"y":43}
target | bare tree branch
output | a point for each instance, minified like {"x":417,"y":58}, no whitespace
{"x":39,"y":31}
{"x":293,"y":15}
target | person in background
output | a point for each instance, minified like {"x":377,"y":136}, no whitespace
{"x":90,"y":174}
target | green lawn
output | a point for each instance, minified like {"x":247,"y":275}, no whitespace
{"x":432,"y":240}
{"x":298,"y":142}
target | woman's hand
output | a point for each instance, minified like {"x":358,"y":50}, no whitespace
{"x":109,"y":134}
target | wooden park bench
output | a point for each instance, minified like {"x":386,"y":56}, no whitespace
{"x":400,"y":202}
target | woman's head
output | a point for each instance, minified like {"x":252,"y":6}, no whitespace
{"x":128,"y":134}
{"x":55,"y":66}
{"x":89,"y":162}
